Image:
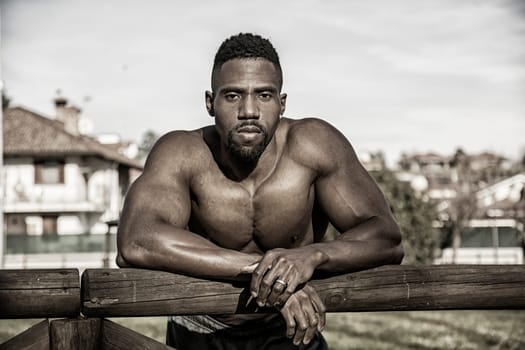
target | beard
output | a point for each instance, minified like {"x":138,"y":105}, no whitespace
{"x":247,"y":153}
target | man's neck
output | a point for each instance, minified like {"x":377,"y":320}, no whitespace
{"x":243,"y":171}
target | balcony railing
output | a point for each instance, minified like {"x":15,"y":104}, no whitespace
{"x":50,"y":206}
{"x":56,"y":244}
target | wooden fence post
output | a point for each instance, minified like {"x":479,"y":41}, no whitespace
{"x":34,"y":338}
{"x":117,"y":337}
{"x":81,"y":334}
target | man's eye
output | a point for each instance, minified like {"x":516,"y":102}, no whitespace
{"x":265,"y":96}
{"x":232,"y":97}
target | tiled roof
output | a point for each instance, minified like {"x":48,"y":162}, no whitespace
{"x":27,"y":133}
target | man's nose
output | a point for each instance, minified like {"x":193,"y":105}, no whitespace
{"x":249,"y":108}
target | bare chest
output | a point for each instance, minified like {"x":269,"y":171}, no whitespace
{"x":277,"y":213}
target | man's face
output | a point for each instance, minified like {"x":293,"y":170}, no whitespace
{"x":247,"y":104}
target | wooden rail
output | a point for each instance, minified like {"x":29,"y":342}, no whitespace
{"x":39,"y":293}
{"x":136,"y":292}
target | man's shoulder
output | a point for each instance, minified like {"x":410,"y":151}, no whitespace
{"x":181,"y":148}
{"x":181,"y":142}
{"x":185,"y":136}
{"x":305,"y":128}
{"x":315,"y":142}
{"x":314,"y":135}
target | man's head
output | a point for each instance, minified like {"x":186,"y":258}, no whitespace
{"x":246,"y":100}
{"x":245,"y":45}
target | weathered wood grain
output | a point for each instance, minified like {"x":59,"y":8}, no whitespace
{"x":34,"y":338}
{"x":71,"y":334}
{"x":137,"y":292}
{"x":39,"y":293}
{"x":117,"y":337}
{"x":460,"y":287}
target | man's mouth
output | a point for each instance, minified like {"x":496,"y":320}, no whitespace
{"x":249,"y":129}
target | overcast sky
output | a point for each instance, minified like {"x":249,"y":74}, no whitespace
{"x":391,"y":75}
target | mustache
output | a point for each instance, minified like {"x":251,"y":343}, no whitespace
{"x":251,"y":123}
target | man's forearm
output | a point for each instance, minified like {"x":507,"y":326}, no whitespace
{"x":373,"y":243}
{"x":181,"y":251}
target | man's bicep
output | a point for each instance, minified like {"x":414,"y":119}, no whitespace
{"x":161,"y":193}
{"x":149,"y":208}
{"x":152,"y":200}
{"x":348,"y":194}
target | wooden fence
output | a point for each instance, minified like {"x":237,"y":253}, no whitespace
{"x":136,"y":292}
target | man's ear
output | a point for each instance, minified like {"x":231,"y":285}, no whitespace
{"x":283,"y":103}
{"x":209,"y":103}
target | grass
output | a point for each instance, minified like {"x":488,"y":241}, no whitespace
{"x":492,"y":330}
{"x":427,"y":330}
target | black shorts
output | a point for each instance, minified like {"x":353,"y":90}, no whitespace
{"x":254,"y":336}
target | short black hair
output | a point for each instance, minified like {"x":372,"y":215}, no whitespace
{"x":246,"y":45}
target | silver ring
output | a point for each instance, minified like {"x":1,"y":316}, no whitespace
{"x":281,"y":282}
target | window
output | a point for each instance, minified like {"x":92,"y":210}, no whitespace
{"x":486,"y":237}
{"x":15,"y":224}
{"x":49,"y":172}
{"x":49,"y":225}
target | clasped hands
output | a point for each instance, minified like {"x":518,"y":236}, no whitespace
{"x":279,"y":280}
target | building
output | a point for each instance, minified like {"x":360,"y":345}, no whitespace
{"x":435,"y":168}
{"x":495,"y":234}
{"x":484,"y":191}
{"x":61,"y":187}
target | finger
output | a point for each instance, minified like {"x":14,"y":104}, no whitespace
{"x":290,"y":289}
{"x":320,"y":309}
{"x":279,"y":269}
{"x":267,"y":284}
{"x":293,"y":282}
{"x":281,"y":300}
{"x":278,"y":289}
{"x":313,"y":321}
{"x":273,"y":298}
{"x":301,"y":327}
{"x":289,"y":320}
{"x":258,"y":274}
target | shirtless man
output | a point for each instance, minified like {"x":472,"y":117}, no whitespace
{"x":250,"y":197}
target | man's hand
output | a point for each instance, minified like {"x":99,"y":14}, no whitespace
{"x":304,"y":314}
{"x":281,"y":271}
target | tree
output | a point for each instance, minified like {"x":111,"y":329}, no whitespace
{"x":414,"y":215}
{"x":149,"y":137}
{"x":462,"y":208}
